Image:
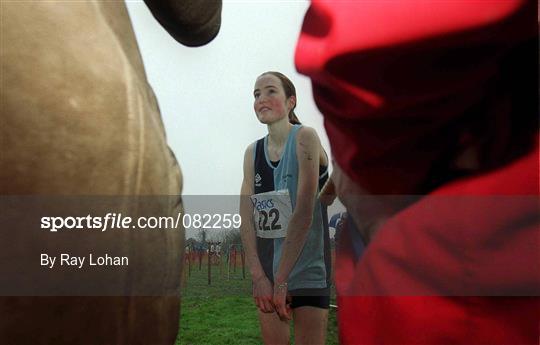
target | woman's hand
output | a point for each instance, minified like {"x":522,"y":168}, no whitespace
{"x":262,"y":293}
{"x":282,"y":302}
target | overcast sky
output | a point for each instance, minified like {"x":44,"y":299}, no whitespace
{"x":206,"y":93}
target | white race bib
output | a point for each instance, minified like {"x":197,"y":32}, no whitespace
{"x":271,"y":213}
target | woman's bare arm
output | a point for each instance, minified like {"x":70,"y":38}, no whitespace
{"x":262,"y":288}
{"x":308,"y":152}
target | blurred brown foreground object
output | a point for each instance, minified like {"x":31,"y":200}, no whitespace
{"x":79,"y":118}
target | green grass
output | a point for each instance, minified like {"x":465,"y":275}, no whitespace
{"x":224,"y":312}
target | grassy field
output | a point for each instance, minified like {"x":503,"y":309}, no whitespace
{"x":223,"y":312}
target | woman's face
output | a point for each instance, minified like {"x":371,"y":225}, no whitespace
{"x":270,"y":103}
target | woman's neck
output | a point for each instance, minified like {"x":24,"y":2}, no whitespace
{"x":278,"y":132}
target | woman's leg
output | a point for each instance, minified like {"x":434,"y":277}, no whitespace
{"x":310,"y":325}
{"x":274,"y":331}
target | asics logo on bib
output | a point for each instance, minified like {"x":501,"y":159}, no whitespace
{"x":263,"y":204}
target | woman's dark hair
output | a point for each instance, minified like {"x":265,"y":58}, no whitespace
{"x":290,"y":90}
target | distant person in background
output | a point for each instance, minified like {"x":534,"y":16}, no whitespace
{"x":79,"y":118}
{"x":287,"y":244}
{"x":438,"y":100}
